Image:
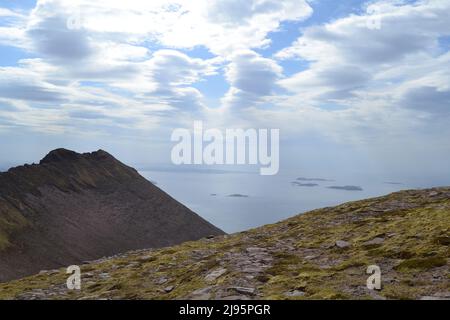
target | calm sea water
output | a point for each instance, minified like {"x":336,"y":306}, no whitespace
{"x":270,"y":198}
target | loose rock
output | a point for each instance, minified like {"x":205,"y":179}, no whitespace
{"x":342,"y":244}
{"x":215,"y":274}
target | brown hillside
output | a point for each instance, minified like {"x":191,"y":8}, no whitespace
{"x":74,"y":207}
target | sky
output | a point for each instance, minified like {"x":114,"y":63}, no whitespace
{"x":354,"y":86}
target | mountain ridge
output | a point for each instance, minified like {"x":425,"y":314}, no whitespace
{"x":72,"y":207}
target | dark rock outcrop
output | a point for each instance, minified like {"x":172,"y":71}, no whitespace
{"x":75,"y":207}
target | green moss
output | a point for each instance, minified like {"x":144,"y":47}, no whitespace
{"x":284,"y":263}
{"x":11,"y":220}
{"x":442,"y":240}
{"x":352,"y":263}
{"x":421,"y":263}
{"x":4,"y":242}
{"x":399,"y":254}
{"x":329,"y":294}
{"x":399,"y":292}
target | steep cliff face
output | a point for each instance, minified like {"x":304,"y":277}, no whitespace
{"x":73,"y":207}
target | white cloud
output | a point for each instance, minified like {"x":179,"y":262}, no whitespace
{"x":350,"y":61}
{"x":170,"y":67}
{"x":222,"y":26}
{"x":252,"y":78}
{"x":25,"y":85}
{"x":106,"y":42}
{"x":403,"y":30}
{"x":30,"y":100}
{"x":7,"y":13}
{"x":122,"y":60}
{"x":12,"y":28}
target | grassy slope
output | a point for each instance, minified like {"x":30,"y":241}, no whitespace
{"x":11,"y":220}
{"x":295,"y":259}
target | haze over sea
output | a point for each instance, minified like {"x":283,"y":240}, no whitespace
{"x":268,"y":198}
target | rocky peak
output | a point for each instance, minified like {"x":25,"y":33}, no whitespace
{"x":59,"y":155}
{"x":101,"y":155}
{"x":64,"y":155}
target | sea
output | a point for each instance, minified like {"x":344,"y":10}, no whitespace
{"x":240,"y":201}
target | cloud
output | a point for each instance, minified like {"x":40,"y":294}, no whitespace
{"x":122,"y":63}
{"x":172,"y":68}
{"x":17,"y":84}
{"x":176,"y":24}
{"x":328,"y":82}
{"x":106,"y":42}
{"x":51,"y":38}
{"x":12,"y":26}
{"x":4,"y":12}
{"x":236,"y":13}
{"x":252,"y":78}
{"x":429,"y":100}
{"x":167,"y":77}
{"x":350,"y":60}
{"x":30,"y":100}
{"x":248,"y":21}
{"x":403,"y":30}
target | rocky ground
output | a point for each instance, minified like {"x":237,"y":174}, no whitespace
{"x":323,"y":254}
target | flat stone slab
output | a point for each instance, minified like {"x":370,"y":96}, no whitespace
{"x":215,"y":274}
{"x":342,"y":244}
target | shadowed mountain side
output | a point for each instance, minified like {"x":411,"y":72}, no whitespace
{"x":75,"y":207}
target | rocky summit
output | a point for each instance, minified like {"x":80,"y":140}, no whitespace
{"x":74,"y":207}
{"x":322,"y":254}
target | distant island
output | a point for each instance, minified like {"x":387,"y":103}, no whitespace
{"x":299,"y":184}
{"x":347,"y":188}
{"x":314,"y":179}
{"x":238,"y":195}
